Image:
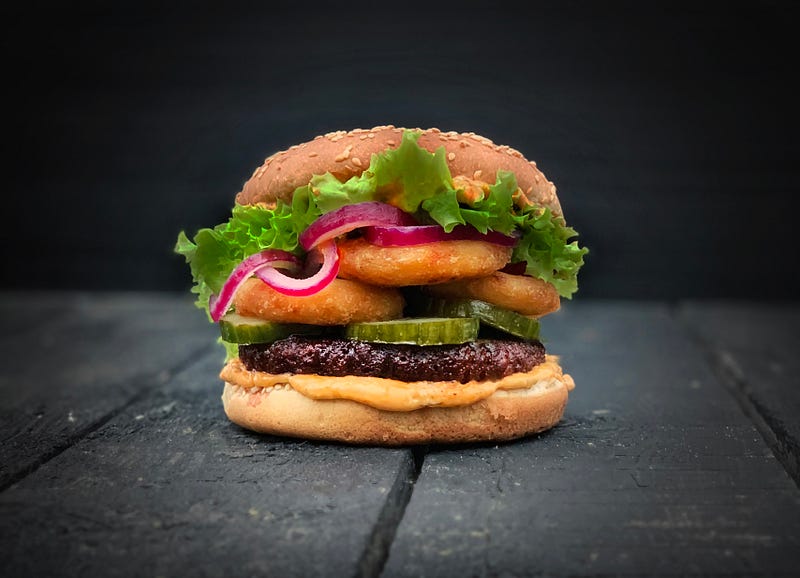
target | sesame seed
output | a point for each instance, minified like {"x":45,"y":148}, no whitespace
{"x":313,"y":154}
{"x":356,"y":161}
{"x":371,"y":135}
{"x":391,"y":143}
{"x":362,"y":137}
{"x":477,"y":174}
{"x":451,"y":156}
{"x":345,"y":154}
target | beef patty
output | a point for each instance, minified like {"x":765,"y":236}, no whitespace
{"x":479,"y":360}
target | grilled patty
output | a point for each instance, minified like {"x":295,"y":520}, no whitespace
{"x":480,"y":360}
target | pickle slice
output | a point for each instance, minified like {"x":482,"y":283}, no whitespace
{"x":416,"y":330}
{"x":236,"y":328}
{"x":505,"y":320}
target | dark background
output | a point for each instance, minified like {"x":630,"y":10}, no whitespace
{"x":670,"y":130}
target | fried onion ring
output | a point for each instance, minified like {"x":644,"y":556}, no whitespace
{"x":425,"y":264}
{"x":339,"y":303}
{"x":520,"y":293}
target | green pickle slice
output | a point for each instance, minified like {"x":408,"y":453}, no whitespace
{"x":505,"y":320}
{"x":416,"y":331}
{"x":236,"y":328}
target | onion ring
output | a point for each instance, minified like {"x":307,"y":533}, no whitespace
{"x":309,"y":285}
{"x":350,"y":217}
{"x":427,"y":264}
{"x":340,"y":303}
{"x":404,"y":236}
{"x":520,"y":293}
{"x":219,"y":303}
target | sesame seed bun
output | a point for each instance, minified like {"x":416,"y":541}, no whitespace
{"x":505,"y":415}
{"x":347,"y":154}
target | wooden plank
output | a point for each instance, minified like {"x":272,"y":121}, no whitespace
{"x":169,"y":487}
{"x":655,"y":470}
{"x":80,"y":358}
{"x":755,"y":349}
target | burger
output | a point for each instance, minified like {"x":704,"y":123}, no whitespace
{"x":384,"y":286}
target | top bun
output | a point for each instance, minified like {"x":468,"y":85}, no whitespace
{"x":347,"y":154}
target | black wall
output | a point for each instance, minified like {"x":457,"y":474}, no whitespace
{"x":670,"y":130}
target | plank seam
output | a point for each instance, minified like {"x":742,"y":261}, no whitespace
{"x":376,"y":553}
{"x":735,"y":382}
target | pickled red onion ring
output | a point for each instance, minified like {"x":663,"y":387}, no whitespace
{"x":301,"y":287}
{"x":219,"y":304}
{"x":402,"y":236}
{"x":350,"y":217}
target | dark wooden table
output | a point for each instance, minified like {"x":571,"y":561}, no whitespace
{"x":678,"y":455}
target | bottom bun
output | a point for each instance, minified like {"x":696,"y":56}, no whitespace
{"x":504,"y":415}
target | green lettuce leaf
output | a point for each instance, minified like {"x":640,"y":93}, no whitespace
{"x":409,"y":177}
{"x":214,"y":253}
{"x":495,"y":211}
{"x":546,"y":248}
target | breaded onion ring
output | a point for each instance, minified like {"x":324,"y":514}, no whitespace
{"x":339,"y":303}
{"x":424,"y":264}
{"x":520,"y":293}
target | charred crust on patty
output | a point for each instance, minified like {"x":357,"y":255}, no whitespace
{"x":474,"y":361}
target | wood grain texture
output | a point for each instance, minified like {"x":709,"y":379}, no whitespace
{"x":169,"y":487}
{"x":655,"y":471}
{"x":755,"y":350}
{"x":71,"y":360}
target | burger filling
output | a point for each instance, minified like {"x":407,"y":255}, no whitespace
{"x":323,"y":288}
{"x":392,"y":394}
{"x":472,"y":361}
